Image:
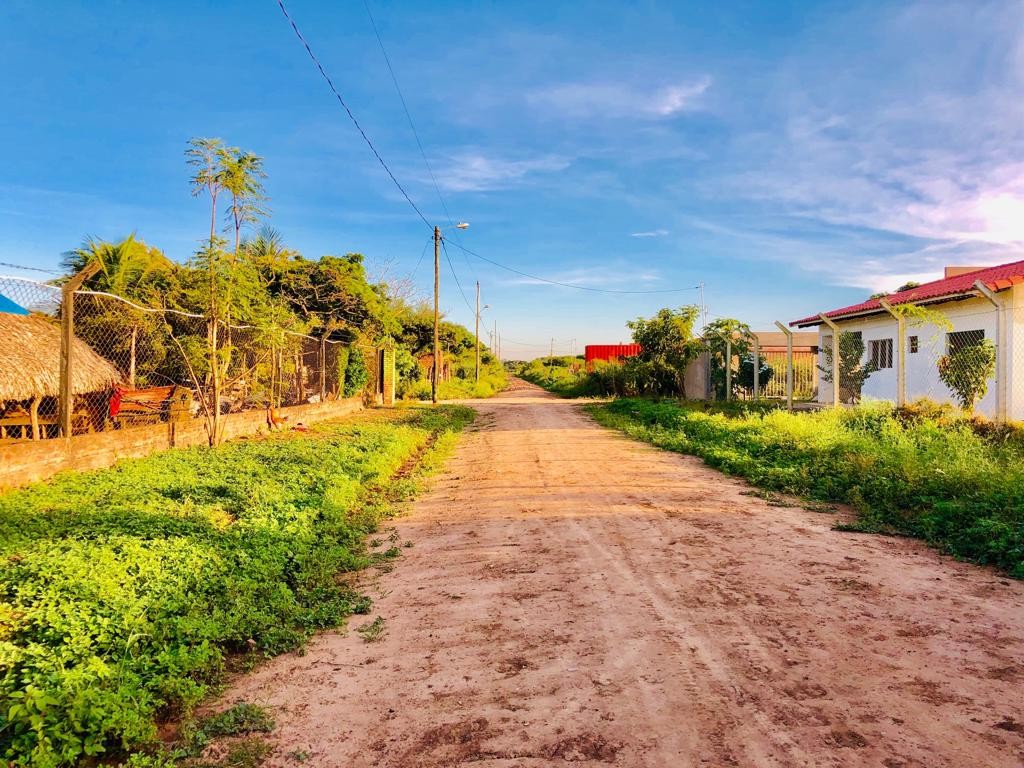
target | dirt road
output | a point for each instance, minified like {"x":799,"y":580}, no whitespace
{"x":573,"y":597}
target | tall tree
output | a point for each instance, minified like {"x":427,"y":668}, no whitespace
{"x":667,"y":347}
{"x":242,"y":177}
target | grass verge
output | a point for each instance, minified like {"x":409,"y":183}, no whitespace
{"x":124,"y":591}
{"x":932,"y":478}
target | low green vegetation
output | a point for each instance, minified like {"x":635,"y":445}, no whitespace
{"x":125,"y":592}
{"x":565,"y":376}
{"x":458,"y":362}
{"x":924,"y":471}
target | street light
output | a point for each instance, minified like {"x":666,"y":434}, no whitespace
{"x":437,"y":311}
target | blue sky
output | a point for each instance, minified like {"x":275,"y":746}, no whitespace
{"x":792,"y":156}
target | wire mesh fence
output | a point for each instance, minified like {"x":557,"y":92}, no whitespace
{"x":967,"y":356}
{"x":133,"y":365}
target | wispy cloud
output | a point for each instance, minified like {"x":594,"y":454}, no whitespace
{"x":475,"y":171}
{"x":609,"y":99}
{"x":598,"y":276}
{"x":938,"y":167}
{"x":652,"y":233}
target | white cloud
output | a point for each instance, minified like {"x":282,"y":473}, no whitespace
{"x":477,"y":172}
{"x":621,"y":99}
{"x":932,"y":152}
{"x":598,"y":276}
{"x":652,"y":233}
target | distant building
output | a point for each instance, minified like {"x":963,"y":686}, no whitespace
{"x":971,"y":318}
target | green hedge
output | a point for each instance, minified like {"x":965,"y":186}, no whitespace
{"x":122,"y":591}
{"x":934,"y":478}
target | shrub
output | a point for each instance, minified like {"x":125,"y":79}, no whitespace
{"x":966,"y":371}
{"x":356,"y":374}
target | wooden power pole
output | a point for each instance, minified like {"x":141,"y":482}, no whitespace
{"x":477,"y":332}
{"x":437,"y":314}
{"x":67,"y":337}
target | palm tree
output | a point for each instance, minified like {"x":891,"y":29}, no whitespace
{"x":130,"y":270}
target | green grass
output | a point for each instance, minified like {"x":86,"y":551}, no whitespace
{"x":123,"y":592}
{"x":950,"y":481}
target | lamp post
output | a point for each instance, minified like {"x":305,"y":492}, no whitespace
{"x":437,"y":311}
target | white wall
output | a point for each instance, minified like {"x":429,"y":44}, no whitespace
{"x":922,"y":372}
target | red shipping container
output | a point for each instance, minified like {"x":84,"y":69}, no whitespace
{"x":609,"y":352}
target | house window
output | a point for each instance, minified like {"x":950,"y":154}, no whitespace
{"x":913,"y":344}
{"x":880,"y":351}
{"x":960,"y":340}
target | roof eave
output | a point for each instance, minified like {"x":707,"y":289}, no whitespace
{"x":809,"y":322}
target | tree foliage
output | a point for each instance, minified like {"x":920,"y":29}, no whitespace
{"x":966,"y":371}
{"x":667,"y":348}
{"x":854,"y":370}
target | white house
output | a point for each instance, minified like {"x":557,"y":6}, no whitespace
{"x":970,"y":304}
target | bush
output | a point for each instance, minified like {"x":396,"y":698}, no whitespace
{"x":967,"y":370}
{"x":956,"y":482}
{"x":356,"y":374}
{"x":122,"y":591}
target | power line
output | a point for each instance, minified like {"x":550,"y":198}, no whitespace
{"x":422,"y":254}
{"x":452,"y":268}
{"x":29,"y":269}
{"x":412,"y":126}
{"x":352,"y":117}
{"x":569,"y":285}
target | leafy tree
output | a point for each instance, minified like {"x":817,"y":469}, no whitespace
{"x":242,"y":177}
{"x":135,"y":340}
{"x":853,"y":369}
{"x":722,"y":336}
{"x":744,"y":378}
{"x":966,"y":371}
{"x":667,"y":347}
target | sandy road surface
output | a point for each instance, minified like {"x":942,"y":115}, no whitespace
{"x":575,"y":598}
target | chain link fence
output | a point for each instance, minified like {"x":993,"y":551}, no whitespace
{"x":967,"y":356}
{"x":133,"y":365}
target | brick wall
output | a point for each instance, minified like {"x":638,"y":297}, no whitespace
{"x":27,"y":461}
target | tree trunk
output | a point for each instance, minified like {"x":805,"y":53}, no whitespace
{"x":215,"y":418}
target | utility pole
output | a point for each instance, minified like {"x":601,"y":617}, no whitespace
{"x":437,"y":314}
{"x":477,"y":332}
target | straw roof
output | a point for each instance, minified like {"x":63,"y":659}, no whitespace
{"x":30,"y":360}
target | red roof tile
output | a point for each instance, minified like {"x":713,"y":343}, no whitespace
{"x":995,"y":278}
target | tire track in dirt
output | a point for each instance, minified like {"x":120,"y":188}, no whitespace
{"x":574,"y":597}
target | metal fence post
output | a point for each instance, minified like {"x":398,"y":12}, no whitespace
{"x":789,"y":363}
{"x":67,"y":337}
{"x":901,"y":341}
{"x":1002,"y":353}
{"x":836,"y":368}
{"x":756,"y":351}
{"x":728,"y":368}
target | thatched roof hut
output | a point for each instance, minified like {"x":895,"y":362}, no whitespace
{"x":30,"y":360}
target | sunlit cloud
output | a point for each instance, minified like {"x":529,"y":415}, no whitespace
{"x":478,"y":172}
{"x":652,"y":233}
